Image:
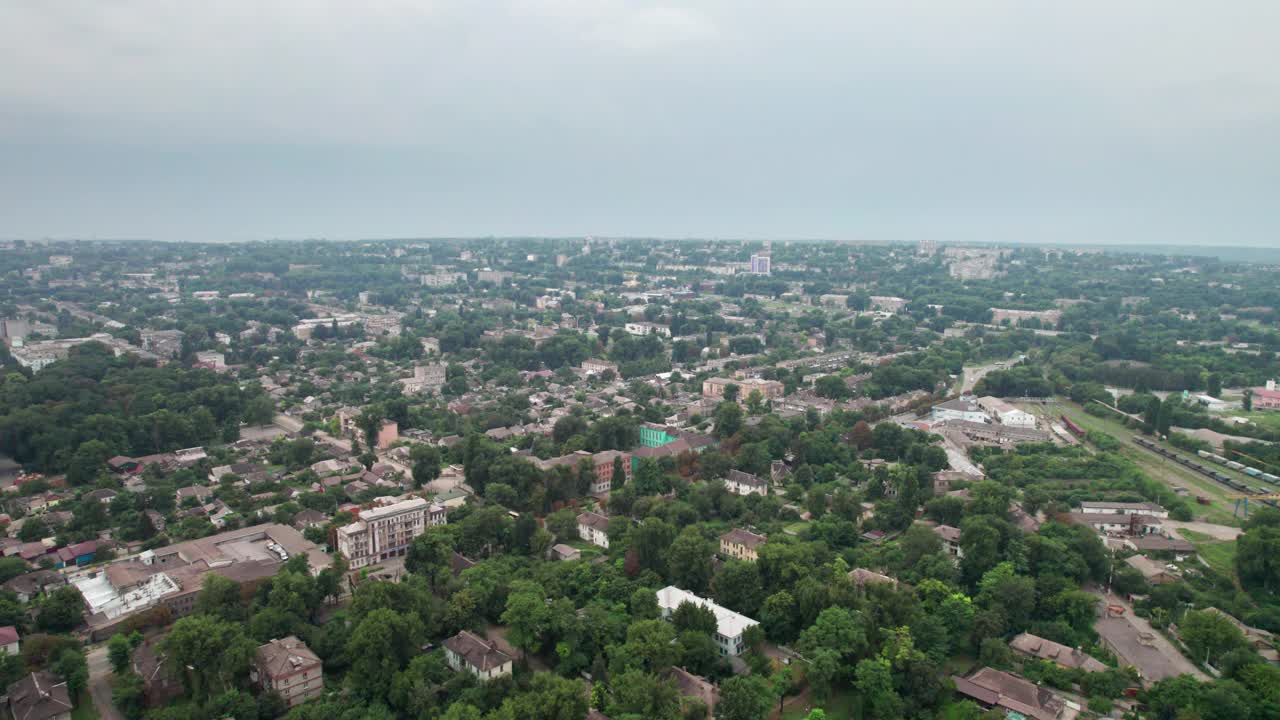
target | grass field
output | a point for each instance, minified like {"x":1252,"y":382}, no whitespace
{"x":1166,"y":471}
{"x":1220,"y":554}
{"x":839,"y":707}
{"x":84,"y":709}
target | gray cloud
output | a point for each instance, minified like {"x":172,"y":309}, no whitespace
{"x":1092,"y":121}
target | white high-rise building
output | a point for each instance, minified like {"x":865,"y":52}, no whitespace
{"x":760,"y":264}
{"x":387,"y":531}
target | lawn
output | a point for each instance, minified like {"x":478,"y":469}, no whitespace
{"x":839,"y":707}
{"x":84,"y":709}
{"x":795,"y":528}
{"x":1220,"y":554}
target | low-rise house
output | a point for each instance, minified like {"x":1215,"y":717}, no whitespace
{"x":198,"y":492}
{"x":304,"y":519}
{"x":696,"y":688}
{"x":863,"y":577}
{"x":161,"y":678}
{"x":594,"y":528}
{"x":78,"y":555}
{"x":10,"y":642}
{"x":40,"y":695}
{"x":565,"y":552}
{"x":1116,"y":524}
{"x":993,"y":688}
{"x":1155,"y":572}
{"x":1064,"y":656}
{"x":290,"y":669}
{"x":741,"y":544}
{"x":469,"y":652}
{"x":31,"y":585}
{"x":744,"y":483}
{"x":950,"y":537}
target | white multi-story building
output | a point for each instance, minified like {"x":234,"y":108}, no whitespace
{"x":425,"y":377}
{"x":594,"y":528}
{"x":1006,"y":414}
{"x":760,"y":264}
{"x":385,"y":532}
{"x":729,"y":624}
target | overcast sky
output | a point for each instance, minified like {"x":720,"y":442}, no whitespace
{"x":1080,"y":121}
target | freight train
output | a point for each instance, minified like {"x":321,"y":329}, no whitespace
{"x":1235,"y":485}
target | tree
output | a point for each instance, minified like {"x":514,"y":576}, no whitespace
{"x":778,"y":616}
{"x":379,"y":647}
{"x":861,"y":435}
{"x":689,"y":560}
{"x":838,"y":629}
{"x":728,"y":419}
{"x":525,"y":615}
{"x":89,"y":459}
{"x":129,"y":695}
{"x":119,"y":650}
{"x":643,"y":695}
{"x":220,"y":596}
{"x":62,"y":610}
{"x":619,"y":477}
{"x":690,"y":616}
{"x":1209,"y":635}
{"x":1258,"y":551}
{"x":1214,"y":385}
{"x":824,"y":666}
{"x":738,"y":587}
{"x":874,"y":681}
{"x":426,"y":463}
{"x":214,"y":652}
{"x":744,"y":697}
{"x":71,"y":665}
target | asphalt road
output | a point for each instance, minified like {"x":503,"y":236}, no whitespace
{"x":100,"y":683}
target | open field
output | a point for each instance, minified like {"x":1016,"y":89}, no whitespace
{"x":1220,"y":508}
{"x":1220,"y":554}
{"x":839,"y":707}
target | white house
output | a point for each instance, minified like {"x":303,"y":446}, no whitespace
{"x":729,"y":624}
{"x":594,"y":528}
{"x":1096,"y":507}
{"x":477,"y":656}
{"x":742,"y":483}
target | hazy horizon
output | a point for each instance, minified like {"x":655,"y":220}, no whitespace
{"x":992,"y":122}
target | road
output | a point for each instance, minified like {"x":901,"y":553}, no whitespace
{"x":970,"y":376}
{"x":100,"y":683}
{"x":1136,"y":643}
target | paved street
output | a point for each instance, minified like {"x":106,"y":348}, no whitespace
{"x":100,"y":683}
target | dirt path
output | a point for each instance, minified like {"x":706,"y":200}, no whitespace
{"x":100,"y":683}
{"x":1217,"y":532}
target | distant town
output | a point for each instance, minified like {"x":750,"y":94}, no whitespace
{"x":591,"y":478}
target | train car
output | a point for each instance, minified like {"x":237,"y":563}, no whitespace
{"x":1270,"y":478}
{"x":1204,"y":454}
{"x":1234,"y":465}
{"x":1253,"y":472}
{"x":1073,"y":428}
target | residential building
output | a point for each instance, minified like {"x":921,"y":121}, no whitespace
{"x":760,"y":264}
{"x":10,"y":643}
{"x":647,"y":328}
{"x":602,"y":463}
{"x":469,"y":652}
{"x":388,"y":434}
{"x":40,"y":695}
{"x":1155,"y":572}
{"x":950,"y":537}
{"x":769,"y":389}
{"x":993,"y":688}
{"x":429,"y":377}
{"x":161,"y":678}
{"x":1064,"y":656}
{"x":386,"y":531}
{"x":288,"y":668}
{"x":1117,"y":524}
{"x":863,"y":577}
{"x":594,"y":528}
{"x":729,"y":624}
{"x":597,"y":367}
{"x":743,"y":483}
{"x":741,"y":544}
